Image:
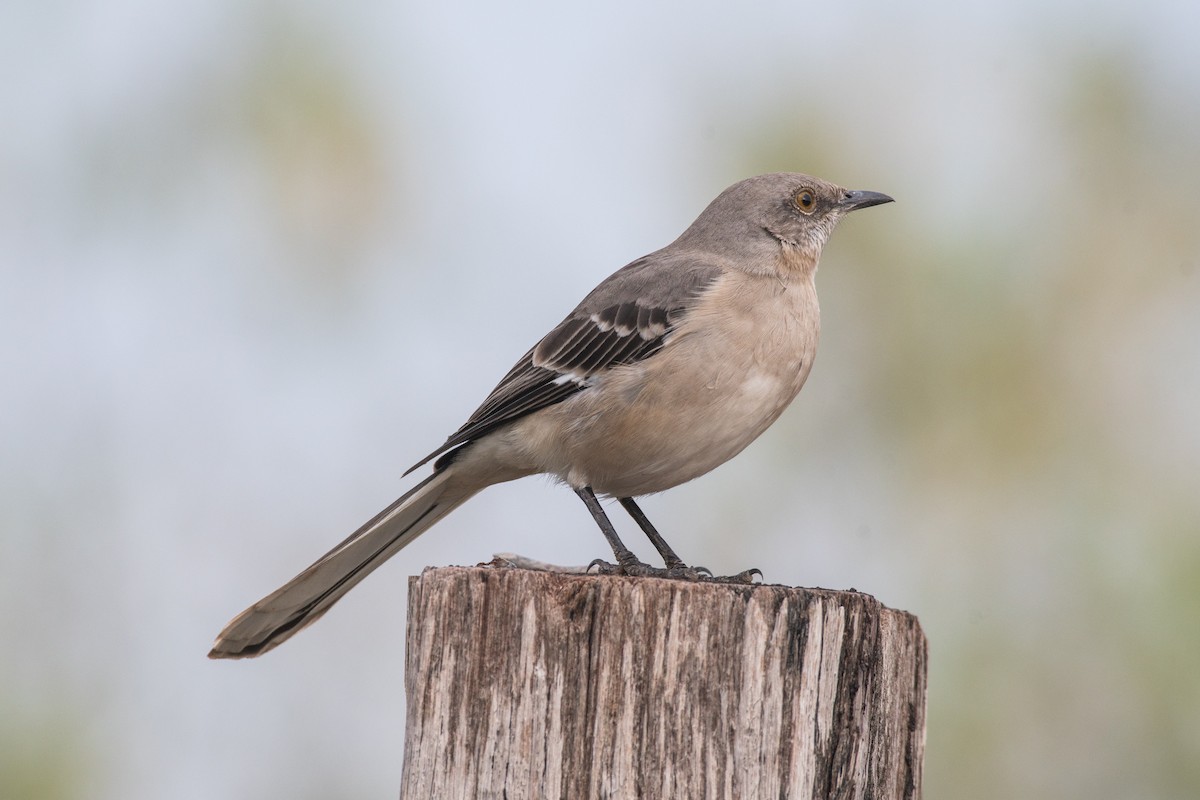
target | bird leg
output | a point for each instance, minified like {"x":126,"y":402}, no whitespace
{"x":627,"y":562}
{"x":660,"y":544}
{"x":675,"y":566}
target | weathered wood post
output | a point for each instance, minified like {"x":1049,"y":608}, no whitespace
{"x":525,"y":684}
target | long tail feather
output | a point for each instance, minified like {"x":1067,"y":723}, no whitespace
{"x":303,"y":599}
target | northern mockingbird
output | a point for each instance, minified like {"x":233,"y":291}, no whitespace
{"x":667,"y":369}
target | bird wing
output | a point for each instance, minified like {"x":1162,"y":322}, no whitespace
{"x":629,"y":317}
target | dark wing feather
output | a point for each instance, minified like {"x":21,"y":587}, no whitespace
{"x":625,"y":319}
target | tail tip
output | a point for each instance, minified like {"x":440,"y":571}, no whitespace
{"x":223,"y":649}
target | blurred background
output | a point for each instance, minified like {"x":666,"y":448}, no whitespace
{"x":259,"y":257}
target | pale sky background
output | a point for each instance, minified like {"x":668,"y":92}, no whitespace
{"x":258,"y":258}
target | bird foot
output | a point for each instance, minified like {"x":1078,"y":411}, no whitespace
{"x":632,"y":568}
{"x":745,"y":577}
{"x":677,"y":572}
{"x":682,"y":572}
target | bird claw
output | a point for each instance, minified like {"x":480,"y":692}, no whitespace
{"x":601,"y":567}
{"x":678,"y":572}
{"x":745,"y":577}
{"x":638,"y":569}
{"x":682,"y":572}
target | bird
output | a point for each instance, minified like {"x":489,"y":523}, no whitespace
{"x":668,"y":368}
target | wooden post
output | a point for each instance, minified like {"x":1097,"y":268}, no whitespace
{"x":525,"y":684}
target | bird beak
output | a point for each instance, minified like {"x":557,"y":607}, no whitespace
{"x":861,"y":199}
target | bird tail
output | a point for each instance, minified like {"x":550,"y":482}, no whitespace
{"x":303,"y":599}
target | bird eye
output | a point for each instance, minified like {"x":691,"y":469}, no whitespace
{"x":806,"y":201}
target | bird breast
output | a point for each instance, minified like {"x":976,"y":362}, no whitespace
{"x":727,"y":372}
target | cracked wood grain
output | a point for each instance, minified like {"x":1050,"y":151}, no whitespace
{"x":525,"y":684}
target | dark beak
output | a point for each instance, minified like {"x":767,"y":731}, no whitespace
{"x":857,"y":199}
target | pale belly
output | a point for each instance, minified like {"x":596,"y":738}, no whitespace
{"x":664,"y":445}
{"x":694,"y":405}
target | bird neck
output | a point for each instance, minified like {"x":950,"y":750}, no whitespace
{"x":797,"y":261}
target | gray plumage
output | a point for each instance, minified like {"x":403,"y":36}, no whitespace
{"x":667,"y":369}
